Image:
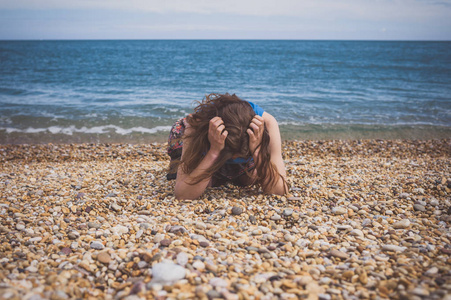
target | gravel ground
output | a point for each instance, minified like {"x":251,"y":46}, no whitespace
{"x":364,"y":219}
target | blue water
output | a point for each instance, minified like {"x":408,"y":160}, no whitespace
{"x":77,"y":91}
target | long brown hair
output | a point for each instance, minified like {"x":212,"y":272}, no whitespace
{"x":237,"y":115}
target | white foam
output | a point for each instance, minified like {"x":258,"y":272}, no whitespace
{"x":90,"y":130}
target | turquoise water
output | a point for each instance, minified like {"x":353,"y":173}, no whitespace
{"x":132,"y":91}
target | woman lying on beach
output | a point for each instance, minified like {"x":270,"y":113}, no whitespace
{"x":225,"y":140}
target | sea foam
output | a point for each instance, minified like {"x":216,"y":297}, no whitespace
{"x":88,"y":130}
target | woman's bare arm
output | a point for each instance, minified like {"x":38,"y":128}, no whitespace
{"x":183,"y":188}
{"x":275,"y":149}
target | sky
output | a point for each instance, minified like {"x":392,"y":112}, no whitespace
{"x":226,"y":19}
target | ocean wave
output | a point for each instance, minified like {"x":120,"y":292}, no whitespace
{"x":313,"y":122}
{"x":92,"y":130}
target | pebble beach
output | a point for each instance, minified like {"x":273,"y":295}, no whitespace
{"x":364,"y":219}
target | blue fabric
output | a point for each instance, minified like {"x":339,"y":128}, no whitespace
{"x":258,"y":110}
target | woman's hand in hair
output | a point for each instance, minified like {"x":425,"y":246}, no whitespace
{"x":217,"y":135}
{"x":255,"y":132}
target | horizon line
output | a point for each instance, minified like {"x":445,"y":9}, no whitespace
{"x":219,"y":39}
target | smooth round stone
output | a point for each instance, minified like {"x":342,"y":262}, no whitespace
{"x":142,"y":264}
{"x":287,"y":212}
{"x":144,"y":226}
{"x":66,"y":250}
{"x":434,"y":202}
{"x":354,"y":208}
{"x":214,"y":294}
{"x":116,"y":207}
{"x":73,"y":235}
{"x":325,"y":281}
{"x":289,"y":238}
{"x":236,"y":210}
{"x":35,"y":239}
{"x":182,"y":258}
{"x":97,"y":245}
{"x":339,"y":254}
{"x":393,"y":248}
{"x":198,"y":265}
{"x":356,"y":232}
{"x":419,"y":207}
{"x":257,"y":232}
{"x":405,"y":223}
{"x":94,"y":225}
{"x":404,"y":195}
{"x":432,"y":271}
{"x":120,"y":229}
{"x":165,"y":242}
{"x":253,"y":219}
{"x":104,"y":257}
{"x":167,"y":273}
{"x":20,"y":227}
{"x":366,"y":223}
{"x":204,"y":244}
{"x":344,"y":227}
{"x":420,"y":292}
{"x":276,"y":217}
{"x":201,"y":226}
{"x":340,"y":210}
{"x":218,"y":282}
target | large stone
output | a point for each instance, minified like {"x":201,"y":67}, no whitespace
{"x":340,"y":210}
{"x":236,"y":211}
{"x":97,"y":245}
{"x":167,"y":273}
{"x":393,"y":248}
{"x":339,"y":254}
{"x":104,"y":257}
{"x":405,"y":223}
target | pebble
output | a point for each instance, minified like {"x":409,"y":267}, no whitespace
{"x":339,"y":254}
{"x":104,"y":257}
{"x":431,"y":271}
{"x":276,"y":217}
{"x":218,"y":282}
{"x":120,"y":229}
{"x":204,"y":244}
{"x":420,"y":292}
{"x":356,"y":232}
{"x":381,"y":246}
{"x":199,"y":265}
{"x":393,"y":248}
{"x":182,"y":259}
{"x":340,"y":210}
{"x":402,"y":224}
{"x":94,"y":225}
{"x":165,"y":242}
{"x":97,"y":245}
{"x":419,"y":207}
{"x":116,"y":207}
{"x":287,"y":212}
{"x":167,"y":273}
{"x":236,"y":210}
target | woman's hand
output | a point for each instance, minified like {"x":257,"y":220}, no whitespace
{"x":255,"y":132}
{"x":216,"y":135}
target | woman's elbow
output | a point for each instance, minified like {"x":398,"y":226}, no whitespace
{"x":183,"y":194}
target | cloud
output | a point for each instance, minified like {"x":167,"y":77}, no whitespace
{"x":305,"y":8}
{"x":291,"y":19}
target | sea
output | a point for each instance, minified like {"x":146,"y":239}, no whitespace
{"x":131,"y":91}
